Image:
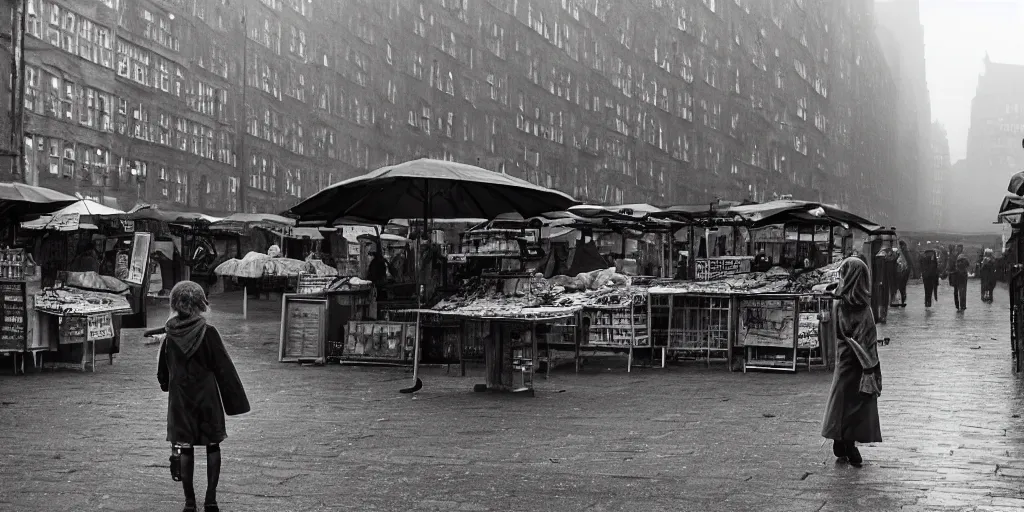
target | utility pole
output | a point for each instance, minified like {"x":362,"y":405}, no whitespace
{"x":17,"y":141}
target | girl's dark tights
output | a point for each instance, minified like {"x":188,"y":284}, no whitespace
{"x":212,"y":473}
{"x":188,"y":466}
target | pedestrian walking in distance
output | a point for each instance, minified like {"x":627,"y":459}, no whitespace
{"x":930,"y":276}
{"x":958,"y":279}
{"x":987,"y":272}
{"x":851,"y":413}
{"x":196,"y":372}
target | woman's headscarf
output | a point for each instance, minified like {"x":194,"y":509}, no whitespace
{"x":854,"y":287}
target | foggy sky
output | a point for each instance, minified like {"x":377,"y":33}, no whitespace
{"x":957,"y":33}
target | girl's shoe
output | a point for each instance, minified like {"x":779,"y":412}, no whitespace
{"x":211,"y":507}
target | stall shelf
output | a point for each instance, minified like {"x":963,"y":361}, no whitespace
{"x":72,"y":316}
{"x":617,"y":328}
{"x":15,"y":330}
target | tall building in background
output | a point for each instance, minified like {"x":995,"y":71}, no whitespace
{"x":228,"y":105}
{"x":937,"y":215}
{"x":902,"y":35}
{"x":993,"y":147}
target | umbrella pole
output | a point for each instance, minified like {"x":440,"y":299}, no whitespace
{"x":417,"y":385}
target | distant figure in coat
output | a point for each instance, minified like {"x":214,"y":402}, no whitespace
{"x":903,"y":270}
{"x":851,"y":413}
{"x":930,"y":275}
{"x":202,"y":385}
{"x":958,"y":279}
{"x":987,"y":272}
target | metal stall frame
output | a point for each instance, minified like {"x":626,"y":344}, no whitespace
{"x":702,"y":329}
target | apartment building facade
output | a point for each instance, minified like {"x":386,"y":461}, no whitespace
{"x":251,"y":105}
{"x":993,"y":147}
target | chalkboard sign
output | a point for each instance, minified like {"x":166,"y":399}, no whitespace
{"x":14,"y":327}
{"x":303,"y":328}
{"x":767,"y":322}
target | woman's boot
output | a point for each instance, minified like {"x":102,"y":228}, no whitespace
{"x":854,"y":454}
{"x":839,"y":449}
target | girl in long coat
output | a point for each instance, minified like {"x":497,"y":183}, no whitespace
{"x":851,"y":414}
{"x":202,"y":385}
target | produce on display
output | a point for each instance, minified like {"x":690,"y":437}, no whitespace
{"x":537,"y":297}
{"x":62,"y":301}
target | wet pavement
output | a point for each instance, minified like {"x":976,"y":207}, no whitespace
{"x":682,"y":438}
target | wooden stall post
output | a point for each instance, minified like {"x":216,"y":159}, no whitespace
{"x":245,"y":301}
{"x":831,"y":243}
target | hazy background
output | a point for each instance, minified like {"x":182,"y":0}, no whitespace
{"x":957,"y":33}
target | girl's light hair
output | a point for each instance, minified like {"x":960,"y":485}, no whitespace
{"x":188,"y":299}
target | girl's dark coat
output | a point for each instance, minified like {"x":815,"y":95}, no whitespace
{"x":201,"y":387}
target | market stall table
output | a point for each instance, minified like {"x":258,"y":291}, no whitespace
{"x":73,"y":316}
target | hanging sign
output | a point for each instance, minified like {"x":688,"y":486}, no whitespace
{"x":140,"y":258}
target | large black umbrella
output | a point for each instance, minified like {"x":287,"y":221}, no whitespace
{"x":435,"y":189}
{"x":428,"y":189}
{"x":17,"y":199}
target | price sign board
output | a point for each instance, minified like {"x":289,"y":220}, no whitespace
{"x":100,"y":327}
{"x":719,"y":268}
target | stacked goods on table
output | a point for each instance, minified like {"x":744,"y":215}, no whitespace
{"x":775,"y":280}
{"x":538,"y":298}
{"x":64,"y":301}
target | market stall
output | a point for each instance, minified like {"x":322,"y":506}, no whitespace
{"x":256,"y":268}
{"x":19,"y":276}
{"x":427,"y":189}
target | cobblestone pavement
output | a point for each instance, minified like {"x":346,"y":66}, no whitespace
{"x":682,"y":438}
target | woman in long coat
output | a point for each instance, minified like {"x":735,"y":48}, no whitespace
{"x":202,"y":385}
{"x":851,"y":415}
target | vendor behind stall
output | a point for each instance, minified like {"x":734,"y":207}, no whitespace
{"x":86,"y":261}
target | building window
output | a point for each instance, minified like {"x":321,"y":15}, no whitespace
{"x":34,"y":20}
{"x":133,"y":62}
{"x":686,"y":70}
{"x":33,"y":92}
